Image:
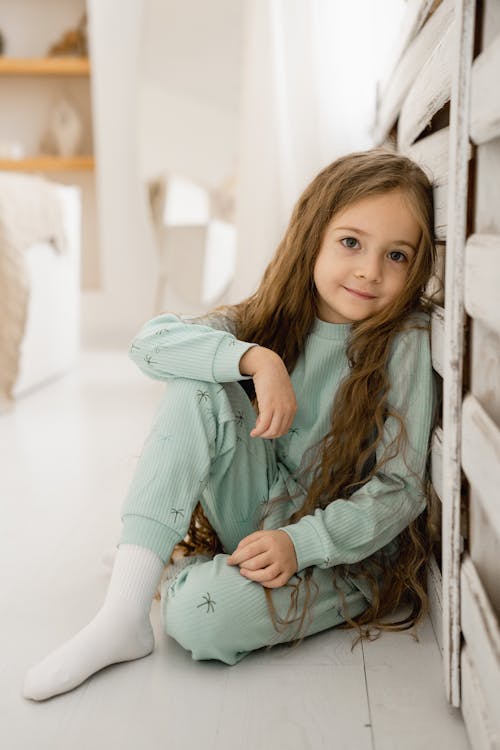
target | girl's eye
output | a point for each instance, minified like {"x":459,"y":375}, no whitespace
{"x":347,"y":239}
{"x":398,"y":256}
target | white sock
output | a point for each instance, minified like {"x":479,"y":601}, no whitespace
{"x":120,"y":631}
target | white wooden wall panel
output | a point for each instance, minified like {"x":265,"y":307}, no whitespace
{"x":437,"y":339}
{"x":484,"y":548}
{"x":413,"y":58}
{"x":434,"y":589}
{"x":485,"y":107}
{"x":480,"y":587}
{"x":482,"y":278}
{"x":482,"y":634}
{"x":454,"y":329}
{"x":432,"y":154}
{"x":415,"y":17}
{"x":437,"y":461}
{"x":481,"y":458}
{"x":440,"y":211}
{"x":474,"y":706}
{"x":429,"y":92}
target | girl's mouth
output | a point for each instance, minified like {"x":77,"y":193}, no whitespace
{"x":363,"y":295}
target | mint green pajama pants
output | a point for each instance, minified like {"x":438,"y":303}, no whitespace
{"x":199,"y":450}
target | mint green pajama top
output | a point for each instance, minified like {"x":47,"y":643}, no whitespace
{"x":347,"y":530}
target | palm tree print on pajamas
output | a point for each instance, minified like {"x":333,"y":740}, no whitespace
{"x":208,"y":603}
{"x":177,"y":513}
{"x":239,"y":419}
{"x":202,"y":395}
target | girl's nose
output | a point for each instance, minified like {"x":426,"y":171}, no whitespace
{"x":370,"y":268}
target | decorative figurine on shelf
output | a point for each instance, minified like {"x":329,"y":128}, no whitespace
{"x":72,"y":42}
{"x":64,"y":135}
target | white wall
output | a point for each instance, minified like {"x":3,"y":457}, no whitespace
{"x":190,"y":87}
{"x":112,"y":314}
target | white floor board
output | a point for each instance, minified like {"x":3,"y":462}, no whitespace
{"x":68,"y":452}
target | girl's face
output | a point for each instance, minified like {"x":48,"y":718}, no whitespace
{"x":365,"y":257}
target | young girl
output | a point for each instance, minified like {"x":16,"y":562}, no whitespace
{"x":310,"y":514}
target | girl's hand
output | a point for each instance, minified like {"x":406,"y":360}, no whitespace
{"x":273,"y":388}
{"x":267,"y":557}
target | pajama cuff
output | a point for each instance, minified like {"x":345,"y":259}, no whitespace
{"x":307,"y":543}
{"x":151,"y":534}
{"x":226,"y":364}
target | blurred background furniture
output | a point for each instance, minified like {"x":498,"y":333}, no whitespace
{"x":195,"y":238}
{"x":40,"y":306}
{"x":51,"y":341}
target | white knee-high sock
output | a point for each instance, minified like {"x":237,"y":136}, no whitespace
{"x":120,"y":631}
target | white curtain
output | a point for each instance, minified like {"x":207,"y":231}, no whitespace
{"x":308,"y":96}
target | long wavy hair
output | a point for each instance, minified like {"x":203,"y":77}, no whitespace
{"x":279,"y":316}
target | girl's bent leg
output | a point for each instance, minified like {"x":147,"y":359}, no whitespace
{"x":216,"y":613}
{"x":199,"y":450}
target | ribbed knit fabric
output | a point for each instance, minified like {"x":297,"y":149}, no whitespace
{"x":346,"y":531}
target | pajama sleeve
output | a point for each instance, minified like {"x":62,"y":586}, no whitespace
{"x":203,"y":348}
{"x":349,"y":530}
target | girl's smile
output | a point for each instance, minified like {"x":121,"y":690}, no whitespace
{"x":365,"y":257}
{"x":359,"y":293}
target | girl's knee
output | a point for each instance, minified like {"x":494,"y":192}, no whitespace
{"x":210,"y":609}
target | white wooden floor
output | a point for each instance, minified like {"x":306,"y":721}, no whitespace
{"x":68,"y":452}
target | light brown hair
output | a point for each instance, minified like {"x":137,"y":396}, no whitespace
{"x":280,"y":315}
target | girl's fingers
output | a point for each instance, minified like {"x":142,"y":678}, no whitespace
{"x":278,"y":425}
{"x":273,"y":428}
{"x":244,"y":553}
{"x":277,"y":582}
{"x":262,"y":424}
{"x":259,"y":561}
{"x":265,"y":574}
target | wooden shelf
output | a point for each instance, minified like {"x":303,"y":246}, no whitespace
{"x":49,"y":164}
{"x":45,"y":66}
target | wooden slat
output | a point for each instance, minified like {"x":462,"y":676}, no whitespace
{"x":462,"y":43}
{"x":429,"y":92}
{"x":437,"y":339}
{"x":432,"y":154}
{"x":474,"y":707}
{"x":485,"y":102}
{"x":393,"y":91}
{"x":440,"y":211}
{"x":482,"y":635}
{"x":434,"y":588}
{"x":435,"y":286}
{"x":414,"y":18}
{"x":482,"y":274}
{"x":481,"y":457}
{"x":437,"y":461}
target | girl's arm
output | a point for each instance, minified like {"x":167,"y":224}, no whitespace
{"x":348,"y":531}
{"x":171,"y":346}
